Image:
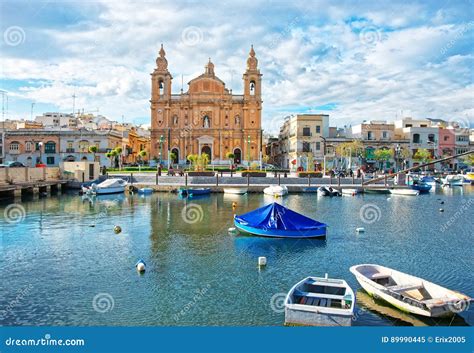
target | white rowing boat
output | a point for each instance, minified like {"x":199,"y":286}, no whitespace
{"x":276,"y":190}
{"x":409,"y":293}
{"x":349,"y":192}
{"x":405,"y":192}
{"x":109,"y":186}
{"x":452,"y":180}
{"x":317,"y":301}
{"x":236,"y":191}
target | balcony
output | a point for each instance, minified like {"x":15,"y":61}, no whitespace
{"x":70,"y":150}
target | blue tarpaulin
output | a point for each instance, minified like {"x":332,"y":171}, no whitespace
{"x":276,"y":216}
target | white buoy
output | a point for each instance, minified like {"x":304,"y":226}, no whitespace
{"x":389,"y":198}
{"x":140,"y":266}
{"x":360,"y":230}
{"x":262,"y":261}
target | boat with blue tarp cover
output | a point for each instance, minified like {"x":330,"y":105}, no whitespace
{"x":275,"y":220}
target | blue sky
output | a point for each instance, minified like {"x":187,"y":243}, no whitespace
{"x":353,"y":60}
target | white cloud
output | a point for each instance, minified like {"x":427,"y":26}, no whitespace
{"x":309,"y":55}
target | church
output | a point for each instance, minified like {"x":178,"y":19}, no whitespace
{"x":207,"y":118}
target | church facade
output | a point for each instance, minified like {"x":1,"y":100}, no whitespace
{"x":207,"y":118}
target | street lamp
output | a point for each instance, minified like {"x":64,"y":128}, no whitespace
{"x":40,"y":145}
{"x":398,"y":150}
{"x":248,"y":151}
{"x":161,"y":146}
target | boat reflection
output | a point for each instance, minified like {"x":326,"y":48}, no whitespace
{"x":400,"y":318}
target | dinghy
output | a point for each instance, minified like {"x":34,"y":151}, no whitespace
{"x":194,"y":191}
{"x":276,"y":190}
{"x":452,"y":180}
{"x":409,"y":293}
{"x":235,"y":191}
{"x":316,"y":301}
{"x":420,"y":186}
{"x":275,"y":220}
{"x":328,"y":191}
{"x":349,"y":192}
{"x":404,"y":192}
{"x":145,"y":191}
{"x":109,"y":186}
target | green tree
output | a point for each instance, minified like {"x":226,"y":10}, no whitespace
{"x":192,"y":158}
{"x":172,"y":158}
{"x":383,"y":155}
{"x":93,"y":149}
{"x":230,"y":156}
{"x":422,"y":155}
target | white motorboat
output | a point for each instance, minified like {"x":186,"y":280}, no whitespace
{"x":349,"y":192}
{"x":276,"y":190}
{"x":109,"y":186}
{"x":236,"y":191}
{"x":405,"y":192}
{"x":317,"y":301}
{"x":409,"y":293}
{"x":452,"y":180}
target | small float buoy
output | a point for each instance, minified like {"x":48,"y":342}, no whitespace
{"x":92,"y":225}
{"x":442,"y":202}
{"x":234,"y":205}
{"x":232,"y":230}
{"x":389,"y":198}
{"x":117,"y":229}
{"x":360,"y":230}
{"x":441,"y":210}
{"x":140,"y":265}
{"x":262,"y":261}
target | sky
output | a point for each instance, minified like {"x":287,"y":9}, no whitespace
{"x":353,"y":60}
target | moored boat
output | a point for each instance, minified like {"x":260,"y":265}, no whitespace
{"x":193,"y":191}
{"x":420,"y":186}
{"x":349,"y":192}
{"x":317,"y":301}
{"x":235,"y":191}
{"x":276,"y":190}
{"x":328,"y":191}
{"x":452,"y":180}
{"x":145,"y":191}
{"x":404,"y":192}
{"x":430,"y":180}
{"x":109,"y":186}
{"x":275,"y":220}
{"x":409,"y":293}
{"x":468,"y":178}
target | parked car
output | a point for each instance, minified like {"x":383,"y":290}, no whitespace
{"x":12,"y":164}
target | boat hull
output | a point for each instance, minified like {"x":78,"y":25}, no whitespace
{"x":276,"y":191}
{"x":398,"y":299}
{"x":235,"y":191}
{"x":302,"y":317}
{"x":105,"y":191}
{"x":405,"y":192}
{"x":194,"y":192}
{"x":275,"y":233}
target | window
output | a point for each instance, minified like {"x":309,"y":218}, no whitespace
{"x":306,"y":131}
{"x":416,"y":138}
{"x":408,"y":125}
{"x":50,"y":147}
{"x":384,"y":134}
{"x":161,"y":86}
{"x":84,"y":146}
{"x":14,"y":146}
{"x":370,"y":135}
{"x":431,"y":138}
{"x":29,"y":146}
{"x":318,"y":129}
{"x":252,"y":88}
{"x":306,"y":147}
{"x":318,"y":146}
{"x":37,"y":146}
{"x":446,"y":138}
{"x":49,"y":160}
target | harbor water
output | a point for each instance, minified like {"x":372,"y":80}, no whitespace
{"x":62,"y":263}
